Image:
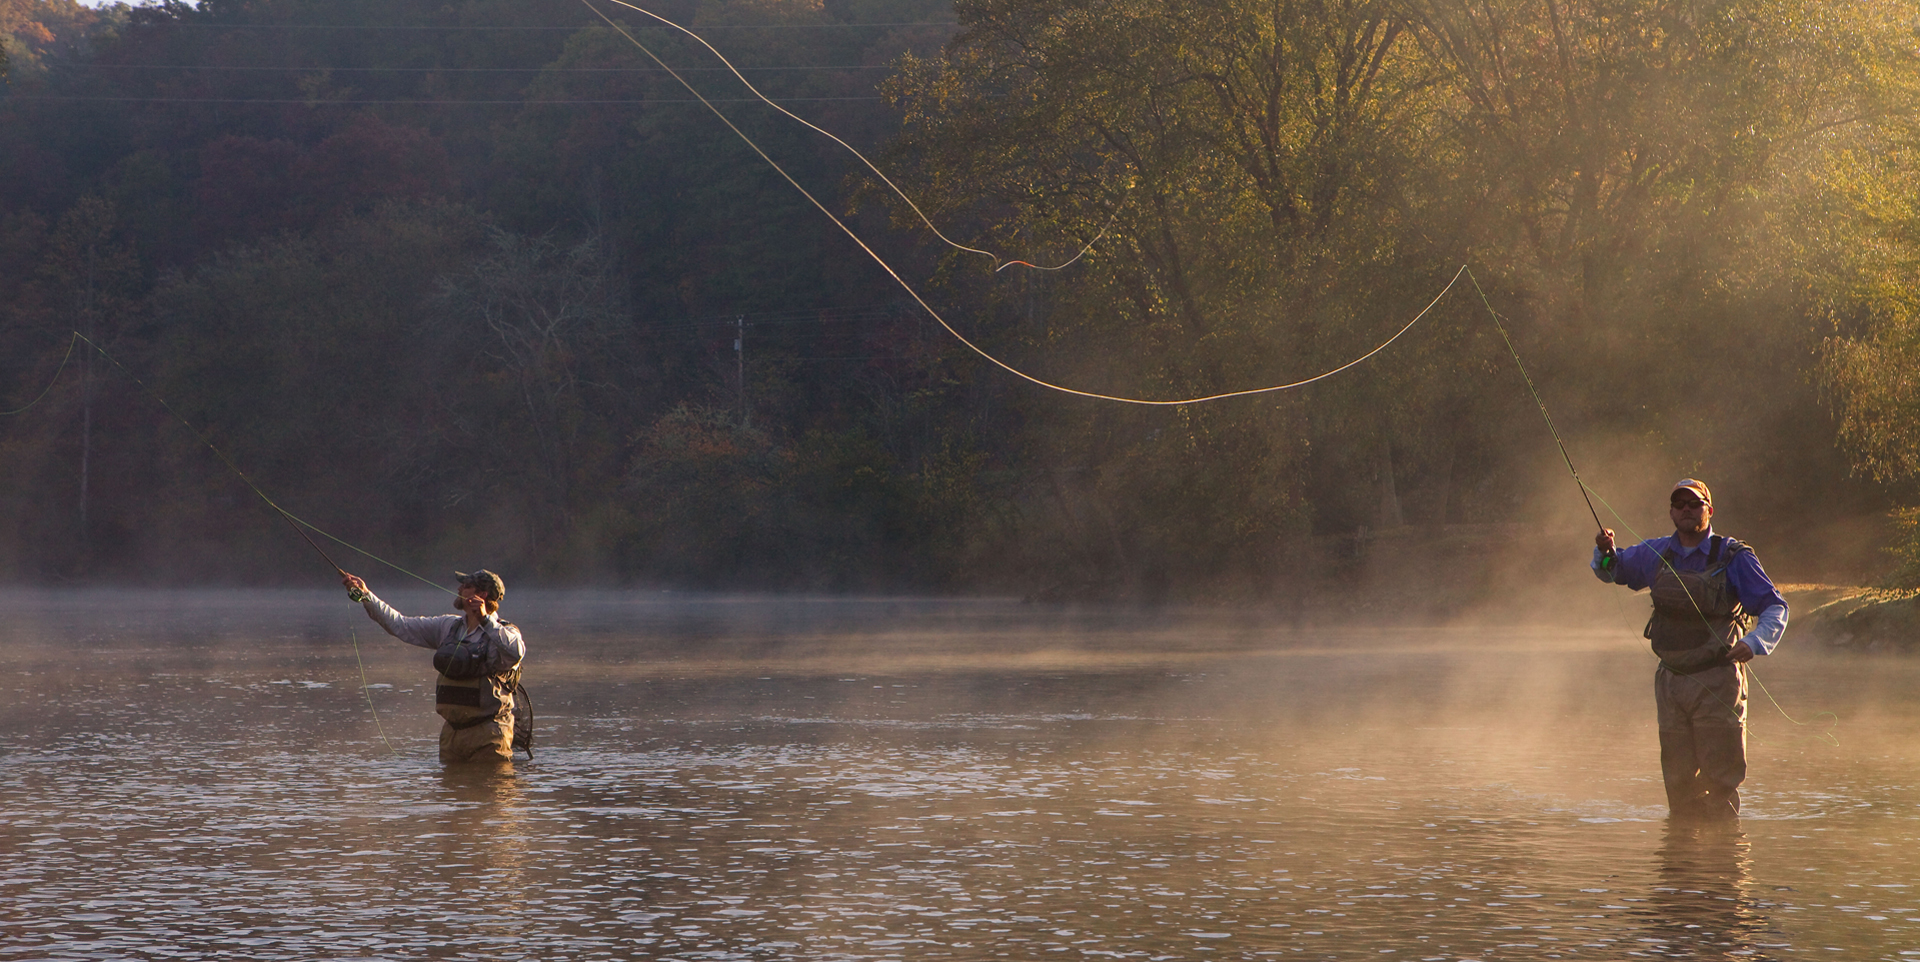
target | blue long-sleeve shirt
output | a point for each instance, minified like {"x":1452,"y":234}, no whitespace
{"x":1635,"y":567}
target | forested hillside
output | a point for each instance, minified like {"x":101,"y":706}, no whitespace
{"x":478,"y":280}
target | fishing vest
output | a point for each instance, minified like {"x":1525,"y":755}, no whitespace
{"x":480,"y":698}
{"x":1696,"y":614}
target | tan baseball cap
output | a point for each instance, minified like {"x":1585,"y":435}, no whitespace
{"x":1699,"y":489}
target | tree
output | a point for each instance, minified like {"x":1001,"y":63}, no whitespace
{"x":1629,"y":178}
{"x":314,"y":364}
{"x":1244,"y":174}
{"x":534,"y":322}
{"x":24,"y":27}
{"x":1864,"y":264}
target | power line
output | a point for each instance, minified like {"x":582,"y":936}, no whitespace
{"x":693,"y":325}
{"x":80,"y":65}
{"x":800,"y":316}
{"x":577,"y":29}
{"x":872,"y":357}
{"x":421,"y":103}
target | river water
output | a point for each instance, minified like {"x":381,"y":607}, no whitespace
{"x":202,"y":774}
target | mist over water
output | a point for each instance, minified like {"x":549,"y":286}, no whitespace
{"x":191,"y":774}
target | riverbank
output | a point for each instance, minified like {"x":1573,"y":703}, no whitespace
{"x":1854,"y":618}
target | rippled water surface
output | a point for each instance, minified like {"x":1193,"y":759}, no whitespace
{"x":190,"y":775}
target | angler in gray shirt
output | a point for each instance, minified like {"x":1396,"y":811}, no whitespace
{"x":478,"y":657}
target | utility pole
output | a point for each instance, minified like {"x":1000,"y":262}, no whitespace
{"x":86,"y":392}
{"x":740,"y":365}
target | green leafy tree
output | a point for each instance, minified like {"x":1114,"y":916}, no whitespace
{"x":1629,"y":179}
{"x":1244,"y":175}
{"x":1864,"y":264}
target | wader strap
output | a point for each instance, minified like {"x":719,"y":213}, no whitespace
{"x":522,"y":719}
{"x":1714,"y":544}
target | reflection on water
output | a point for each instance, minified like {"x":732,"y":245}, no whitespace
{"x":755,"y":778}
{"x":1702,"y":902}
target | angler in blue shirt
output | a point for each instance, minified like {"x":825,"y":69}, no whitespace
{"x":1714,"y":610}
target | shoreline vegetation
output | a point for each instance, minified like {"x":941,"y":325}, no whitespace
{"x":476,"y":279}
{"x":1848,"y":618}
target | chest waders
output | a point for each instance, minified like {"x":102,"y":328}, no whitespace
{"x":1696,"y":614}
{"x":470,"y":702}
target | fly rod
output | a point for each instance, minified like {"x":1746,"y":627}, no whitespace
{"x":1606,"y":560}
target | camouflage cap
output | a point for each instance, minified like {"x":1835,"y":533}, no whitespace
{"x":485,"y":581}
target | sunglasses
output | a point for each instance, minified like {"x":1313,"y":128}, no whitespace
{"x":1687,"y":504}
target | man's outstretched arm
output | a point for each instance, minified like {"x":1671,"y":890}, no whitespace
{"x":421,"y":631}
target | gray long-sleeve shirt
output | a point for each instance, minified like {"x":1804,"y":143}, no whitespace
{"x":505,"y":648}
